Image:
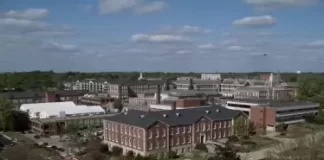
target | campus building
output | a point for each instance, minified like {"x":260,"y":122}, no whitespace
{"x":157,"y":133}
{"x":268,"y":114}
{"x":52,"y":118}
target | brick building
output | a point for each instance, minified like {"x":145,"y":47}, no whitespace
{"x":157,"y":133}
{"x":269,"y":114}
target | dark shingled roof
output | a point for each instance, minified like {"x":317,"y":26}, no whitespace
{"x":174,"y":117}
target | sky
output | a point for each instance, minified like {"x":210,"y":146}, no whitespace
{"x":162,"y":35}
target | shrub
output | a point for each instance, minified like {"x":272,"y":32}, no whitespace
{"x":61,"y":149}
{"x":36,"y":136}
{"x":45,"y":144}
{"x":172,"y":155}
{"x":233,"y":139}
{"x":246,"y":137}
{"x":35,"y":145}
{"x":116,"y":151}
{"x":129,"y":155}
{"x":103,"y":148}
{"x":282,"y":133}
{"x":282,"y":127}
{"x":54,"y":147}
{"x":201,"y":147}
{"x":139,"y":157}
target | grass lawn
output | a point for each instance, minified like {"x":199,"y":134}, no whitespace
{"x":301,"y":129}
{"x":24,"y":149}
{"x":252,"y":143}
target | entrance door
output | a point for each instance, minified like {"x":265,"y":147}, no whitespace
{"x":202,"y":139}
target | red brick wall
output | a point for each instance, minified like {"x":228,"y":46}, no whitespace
{"x":188,"y":102}
{"x":50,"y":96}
{"x":263,"y":116}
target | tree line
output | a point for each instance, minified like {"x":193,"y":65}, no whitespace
{"x":42,"y":80}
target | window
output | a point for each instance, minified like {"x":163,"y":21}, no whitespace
{"x":109,"y":136}
{"x":172,"y":130}
{"x":219,"y":134}
{"x":178,"y":140}
{"x":189,"y":139}
{"x":203,"y":126}
{"x":183,"y":139}
{"x":134,"y":132}
{"x":197,"y":128}
{"x":129,"y":130}
{"x":163,"y":134}
{"x":178,"y":130}
{"x":224,"y":133}
{"x":214,"y":125}
{"x":121,"y":139}
{"x":138,"y":145}
{"x":134,"y":143}
{"x":138,"y":133}
{"x":150,"y":134}
{"x":164,"y":143}
{"x":122,"y":129}
{"x":150,"y":146}
{"x":157,"y":133}
{"x":220,"y":125}
{"x":184,"y":130}
{"x":113,"y":127}
{"x":172,"y":142}
{"x":208,"y":126}
{"x":229,"y":124}
{"x":189,"y":129}
{"x":126,"y":130}
{"x":157,"y":144}
{"x":129,"y":142}
{"x":116,"y":127}
{"x":126,"y":140}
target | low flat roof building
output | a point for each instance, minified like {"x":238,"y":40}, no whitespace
{"x":267,"y":114}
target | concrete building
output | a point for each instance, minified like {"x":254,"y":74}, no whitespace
{"x":125,"y":89}
{"x":18,"y":98}
{"x":269,"y":93}
{"x":91,"y":85}
{"x":269,"y":114}
{"x":198,"y":85}
{"x":157,"y":133}
{"x":210,"y":76}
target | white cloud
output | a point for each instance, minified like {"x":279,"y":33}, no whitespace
{"x":256,"y":21}
{"x":237,"y":48}
{"x":159,"y":38}
{"x":207,"y":46}
{"x":280,"y":3}
{"x":193,"y":29}
{"x":317,"y":44}
{"x":139,"y":6}
{"x":56,"y":47}
{"x":183,"y":52}
{"x":150,"y":7}
{"x":32,"y":13}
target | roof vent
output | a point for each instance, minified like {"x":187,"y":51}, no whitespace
{"x":142,"y":116}
{"x":217,"y":110}
{"x":178,"y":114}
{"x":207,"y":111}
{"x":165,"y":115}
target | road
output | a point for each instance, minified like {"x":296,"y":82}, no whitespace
{"x":285,"y":144}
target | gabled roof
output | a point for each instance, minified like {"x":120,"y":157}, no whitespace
{"x":174,"y":117}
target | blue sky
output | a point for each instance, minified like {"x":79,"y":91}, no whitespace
{"x":161,"y":35}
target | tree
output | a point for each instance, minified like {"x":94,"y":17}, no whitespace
{"x":224,"y":153}
{"x":172,"y":155}
{"x":240,"y":126}
{"x":6,"y":114}
{"x":201,"y":147}
{"x":116,"y":151}
{"x":118,"y":104}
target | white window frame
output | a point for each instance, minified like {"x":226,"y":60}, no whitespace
{"x":150,"y":134}
{"x":184,"y":140}
{"x":184,"y":129}
{"x":178,"y":141}
{"x":134,"y":132}
{"x":178,"y":130}
{"x":157,"y":133}
{"x":163,"y":132}
{"x":189,"y":129}
{"x":157,"y":144}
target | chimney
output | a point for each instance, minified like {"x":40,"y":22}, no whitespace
{"x":158,"y":94}
{"x":191,"y":85}
{"x":120,"y":91}
{"x":50,"y":96}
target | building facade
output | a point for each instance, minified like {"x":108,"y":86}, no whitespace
{"x":229,"y":86}
{"x":269,"y":114}
{"x":274,"y":93}
{"x":91,"y":85}
{"x":157,"y":133}
{"x":198,"y":85}
{"x":210,"y":76}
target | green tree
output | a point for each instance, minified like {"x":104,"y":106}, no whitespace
{"x":118,"y":105}
{"x":225,"y":153}
{"x":240,"y":126}
{"x":6,"y":114}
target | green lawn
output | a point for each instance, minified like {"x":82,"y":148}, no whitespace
{"x":25,"y":149}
